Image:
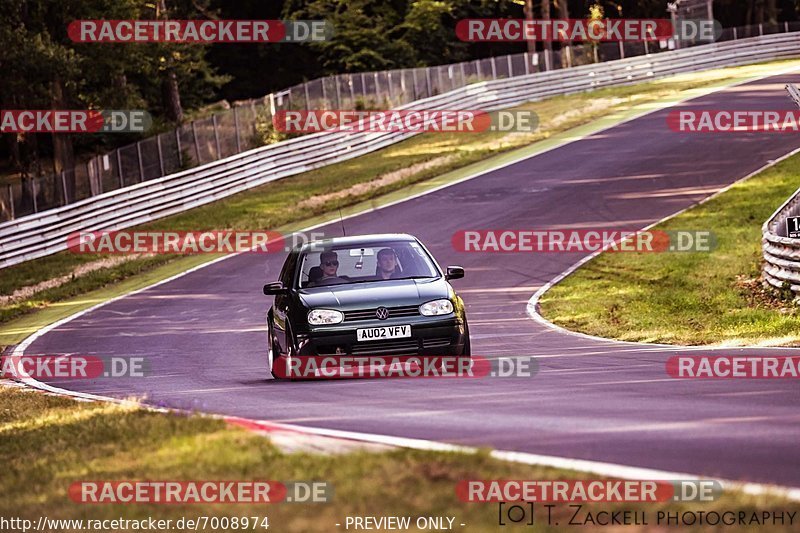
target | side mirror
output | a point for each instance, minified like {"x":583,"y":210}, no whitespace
{"x":275,"y":288}
{"x":454,"y":272}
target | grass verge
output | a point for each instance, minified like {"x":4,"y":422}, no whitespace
{"x":50,"y":442}
{"x":689,"y":298}
{"x":281,"y":205}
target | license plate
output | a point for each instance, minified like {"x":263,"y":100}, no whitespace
{"x":383,"y":332}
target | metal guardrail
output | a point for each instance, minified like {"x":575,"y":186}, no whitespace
{"x":46,"y":233}
{"x":782,"y":254}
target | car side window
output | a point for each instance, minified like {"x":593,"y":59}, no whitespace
{"x":287,"y":274}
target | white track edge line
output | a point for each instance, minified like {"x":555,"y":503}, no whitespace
{"x":533,"y":303}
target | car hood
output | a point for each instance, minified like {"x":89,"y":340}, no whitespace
{"x":389,"y":293}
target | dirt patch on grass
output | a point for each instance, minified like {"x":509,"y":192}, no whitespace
{"x":381,"y":181}
{"x":23,"y":293}
{"x":759,"y":295}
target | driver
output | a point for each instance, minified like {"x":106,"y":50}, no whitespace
{"x":329,"y":263}
{"x":387,"y":264}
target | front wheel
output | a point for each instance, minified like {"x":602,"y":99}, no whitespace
{"x":271,"y":351}
{"x":467,"y":349}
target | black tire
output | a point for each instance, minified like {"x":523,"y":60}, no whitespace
{"x":272,"y":351}
{"x":467,"y":350}
{"x":290,"y":349}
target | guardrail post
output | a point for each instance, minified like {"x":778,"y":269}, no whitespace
{"x":11,"y":201}
{"x":403,"y":88}
{"x":463,"y":76}
{"x":196,"y":144}
{"x":160,"y":154}
{"x":119,"y":169}
{"x":621,"y":50}
{"x":760,"y":29}
{"x":33,"y":189}
{"x":139,"y":156}
{"x":90,"y":174}
{"x":377,"y":88}
{"x":428,"y":81}
{"x":735,"y":36}
{"x":216,"y":135}
{"x":786,"y":26}
{"x":478,"y":69}
{"x":494,"y":69}
{"x":178,"y":141}
{"x":96,"y":163}
{"x":64,"y":187}
{"x":338,"y":93}
{"x":305,"y":92}
{"x":546,"y":60}
{"x":236,"y":124}
{"x":510,"y":67}
{"x":646,"y":48}
{"x":352,"y":92}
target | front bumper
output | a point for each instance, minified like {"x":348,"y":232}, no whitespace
{"x":429,"y":336}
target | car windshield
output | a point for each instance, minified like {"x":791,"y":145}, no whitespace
{"x":386,"y":261}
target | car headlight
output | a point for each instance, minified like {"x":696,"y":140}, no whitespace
{"x":436,"y":307}
{"x":324,"y":317}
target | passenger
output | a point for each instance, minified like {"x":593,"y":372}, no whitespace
{"x":387,"y":265}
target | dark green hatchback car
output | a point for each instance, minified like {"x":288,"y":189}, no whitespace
{"x":371,"y":295}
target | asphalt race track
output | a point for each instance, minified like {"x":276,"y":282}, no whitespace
{"x":204,"y":333}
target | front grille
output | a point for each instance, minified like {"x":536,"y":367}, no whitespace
{"x":369,"y":314}
{"x":387,"y":347}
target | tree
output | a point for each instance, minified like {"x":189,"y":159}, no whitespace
{"x":366,"y":35}
{"x":562,"y":9}
{"x":44,"y":69}
{"x":428,"y":28}
{"x":184,"y":76}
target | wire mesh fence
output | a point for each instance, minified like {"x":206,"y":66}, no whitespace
{"x":247,"y":124}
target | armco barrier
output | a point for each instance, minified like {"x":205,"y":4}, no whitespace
{"x":781,"y":254}
{"x":45,"y":233}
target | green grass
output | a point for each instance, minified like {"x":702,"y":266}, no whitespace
{"x":47,"y":443}
{"x":274,"y":206}
{"x":689,"y":298}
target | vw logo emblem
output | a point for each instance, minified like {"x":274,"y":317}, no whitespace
{"x":382,"y":313}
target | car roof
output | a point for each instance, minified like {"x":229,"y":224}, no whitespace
{"x":354,"y":240}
